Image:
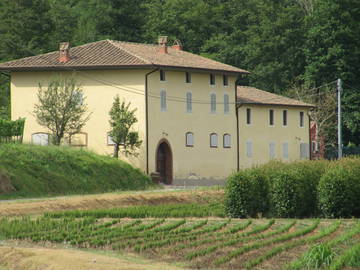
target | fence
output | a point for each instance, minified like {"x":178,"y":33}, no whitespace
{"x":11,"y":131}
{"x":332,"y":152}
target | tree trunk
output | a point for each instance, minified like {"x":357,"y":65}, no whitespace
{"x":116,"y":151}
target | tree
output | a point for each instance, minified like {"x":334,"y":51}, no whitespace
{"x":61,"y":107}
{"x":121,"y":121}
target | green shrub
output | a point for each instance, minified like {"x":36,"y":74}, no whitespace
{"x":318,"y":256}
{"x":50,"y":170}
{"x":247,"y":194}
{"x":339,"y":190}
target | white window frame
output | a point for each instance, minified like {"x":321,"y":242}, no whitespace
{"x":189,"y":104}
{"x":189,"y":139}
{"x":213,"y":103}
{"x":214,"y":141}
{"x":227,"y":140}
{"x":226,"y":104}
{"x":43,"y":134}
{"x":163,"y":104}
{"x":249,"y":149}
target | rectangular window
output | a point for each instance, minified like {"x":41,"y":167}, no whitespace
{"x":188,"y":77}
{"x":212,"y":79}
{"x":226,"y":104}
{"x":284,"y":117}
{"x":271,"y":117}
{"x":213,"y":103}
{"x":285,"y":150}
{"x":248,"y":116}
{"x":304,"y":150}
{"x":162,"y":75}
{"x":227,"y":141}
{"x":249,"y":152}
{"x":40,"y":138}
{"x":163,"y":100}
{"x":189,"y":139}
{"x":272,"y":150}
{"x":225,"y":80}
{"x":313,"y":146}
{"x":301,"y":119}
{"x":188,"y":102}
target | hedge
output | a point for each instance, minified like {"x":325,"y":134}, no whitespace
{"x":11,"y":130}
{"x":299,"y":189}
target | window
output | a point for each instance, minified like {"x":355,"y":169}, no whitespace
{"x":225,"y":80}
{"x":188,"y":102}
{"x":163,"y":100}
{"x":162,"y":75}
{"x":249,"y":153}
{"x":226,"y":104}
{"x":212,"y":79}
{"x":188,"y":77}
{"x":301,"y":119}
{"x":227,"y":141}
{"x":40,"y":138}
{"x":110,"y":140}
{"x":248,"y":116}
{"x":272,"y":150}
{"x":189,"y":138}
{"x":213,"y":140}
{"x":284,"y":117}
{"x":79,"y":139}
{"x":285,"y":150}
{"x":271,"y":119}
{"x":213,"y":103}
{"x":314,"y":146}
{"x":304,"y":150}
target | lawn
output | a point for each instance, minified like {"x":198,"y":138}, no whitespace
{"x":200,"y":242}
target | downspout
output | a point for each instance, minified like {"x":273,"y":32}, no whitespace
{"x":237,"y":131}
{"x":147,"y":118}
{"x":310,"y":144}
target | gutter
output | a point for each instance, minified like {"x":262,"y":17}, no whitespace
{"x":310,"y":143}
{"x":237,"y":131}
{"x":147,"y":118}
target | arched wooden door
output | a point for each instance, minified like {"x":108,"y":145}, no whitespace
{"x":164,"y":164}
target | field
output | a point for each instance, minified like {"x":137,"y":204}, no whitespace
{"x":200,"y":239}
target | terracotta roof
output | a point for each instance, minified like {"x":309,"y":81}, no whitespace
{"x":108,"y":54}
{"x":252,"y":95}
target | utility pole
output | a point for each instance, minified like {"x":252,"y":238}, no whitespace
{"x":339,"y":90}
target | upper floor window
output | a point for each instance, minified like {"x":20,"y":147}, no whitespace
{"x":226,"y":103}
{"x":301,"y":119}
{"x":225,"y":80}
{"x":188,"y":77}
{"x":248,"y":116}
{"x":213,"y":103}
{"x":284,"y":117}
{"x":40,"y":138}
{"x":189,"y":138}
{"x":162,"y":75}
{"x":163,"y":100}
{"x":227,"y":141}
{"x":212,"y":79}
{"x":188,"y":102}
{"x":213,"y":140}
{"x":271,"y":117}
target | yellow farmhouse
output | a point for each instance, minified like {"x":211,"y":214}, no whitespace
{"x":195,"y":122}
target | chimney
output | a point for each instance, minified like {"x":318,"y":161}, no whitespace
{"x":162,"y":44}
{"x":177,"y":45}
{"x":64,"y":52}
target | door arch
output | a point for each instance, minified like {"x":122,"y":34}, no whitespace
{"x":164,"y":162}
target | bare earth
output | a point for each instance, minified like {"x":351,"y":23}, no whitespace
{"x":39,"y":258}
{"x":106,"y":200}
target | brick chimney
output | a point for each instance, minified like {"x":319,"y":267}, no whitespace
{"x":162,"y":44}
{"x":64,"y":52}
{"x":177,"y":45}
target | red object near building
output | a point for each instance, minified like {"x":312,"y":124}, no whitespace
{"x":317,"y":147}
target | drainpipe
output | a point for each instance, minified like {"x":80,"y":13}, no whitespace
{"x":147,"y":118}
{"x":310,"y":143}
{"x":237,"y":131}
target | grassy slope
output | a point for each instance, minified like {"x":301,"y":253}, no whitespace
{"x":43,"y":171}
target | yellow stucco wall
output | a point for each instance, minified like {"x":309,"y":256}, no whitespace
{"x":199,"y":161}
{"x":100,"y":88}
{"x":261,"y":134}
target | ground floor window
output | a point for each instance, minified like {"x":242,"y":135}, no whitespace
{"x":40,"y":138}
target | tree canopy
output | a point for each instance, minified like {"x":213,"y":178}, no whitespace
{"x":283,"y":43}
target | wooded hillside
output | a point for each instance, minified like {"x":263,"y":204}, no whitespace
{"x":284,"y":43}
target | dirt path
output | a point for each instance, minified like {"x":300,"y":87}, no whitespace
{"x":107,"y":200}
{"x":37,"y":258}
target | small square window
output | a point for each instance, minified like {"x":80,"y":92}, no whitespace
{"x":212,"y":79}
{"x":162,"y":75}
{"x":225,"y":80}
{"x":188,"y":77}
